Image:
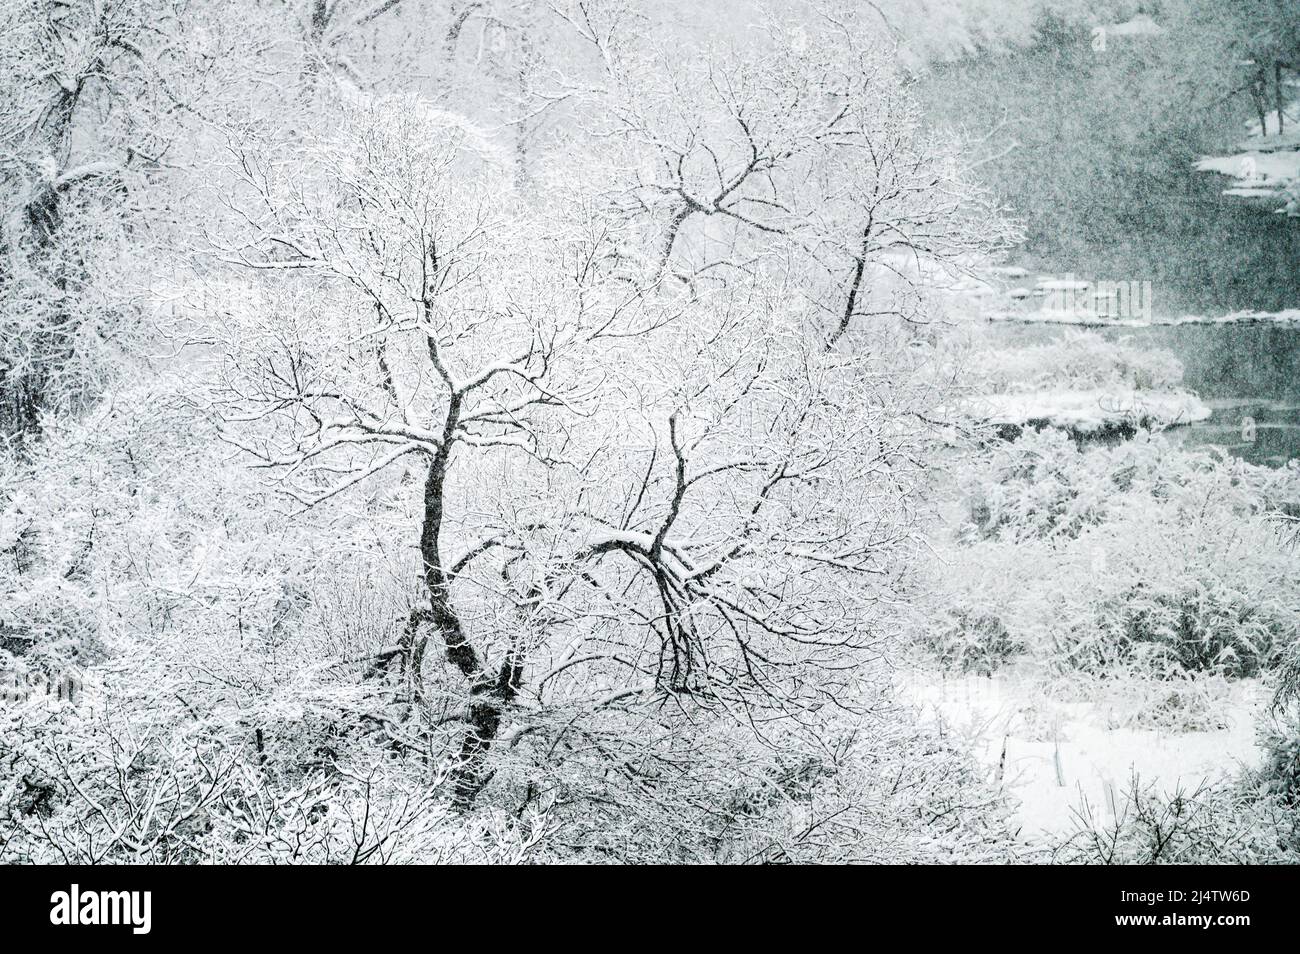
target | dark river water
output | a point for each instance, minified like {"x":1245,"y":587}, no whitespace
{"x":1248,"y":374}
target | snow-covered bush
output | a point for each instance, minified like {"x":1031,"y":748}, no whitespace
{"x":1279,"y":738}
{"x":1077,"y":360}
{"x":972,"y":641}
{"x":151,"y":783}
{"x":1224,"y":824}
{"x":1082,"y":383}
{"x":1038,"y":486}
{"x":1141,"y":556}
{"x":1045,"y":485}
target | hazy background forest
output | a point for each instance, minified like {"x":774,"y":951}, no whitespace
{"x":600,"y":431}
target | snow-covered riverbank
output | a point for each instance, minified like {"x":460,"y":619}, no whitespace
{"x":1088,"y":319}
{"x":1092,"y":410}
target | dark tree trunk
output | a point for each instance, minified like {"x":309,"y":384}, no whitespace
{"x":489,"y":694}
{"x":1259,"y":94}
{"x":1277,"y":94}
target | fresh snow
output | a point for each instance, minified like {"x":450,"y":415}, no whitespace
{"x":1259,"y":167}
{"x":1053,"y":757}
{"x":1140,"y":25}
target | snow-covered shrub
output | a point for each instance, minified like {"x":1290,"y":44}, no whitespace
{"x":151,"y":783}
{"x":1177,"y":702}
{"x":1084,"y":383}
{"x":1036,"y":486}
{"x":901,"y":796}
{"x":148,"y":783}
{"x":877,"y":789}
{"x":974,"y":642}
{"x":1044,"y":484}
{"x":1280,"y":740}
{"x":1177,"y":591}
{"x":1079,"y":360}
{"x":1140,"y":556}
{"x":1224,"y":824}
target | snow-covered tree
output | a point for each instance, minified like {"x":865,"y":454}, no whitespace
{"x":633,"y":498}
{"x":527,"y":455}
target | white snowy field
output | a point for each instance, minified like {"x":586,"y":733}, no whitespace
{"x":1058,"y":759}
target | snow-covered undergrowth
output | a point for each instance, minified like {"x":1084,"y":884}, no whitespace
{"x":1079,"y":360}
{"x":1110,"y":624}
{"x":1083,"y":383}
{"x":241,"y":703}
{"x":123,"y":777}
{"x":1215,"y":824}
{"x":1252,"y":817}
{"x":1141,"y":556}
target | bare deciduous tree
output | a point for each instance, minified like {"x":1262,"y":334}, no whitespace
{"x":630,"y":497}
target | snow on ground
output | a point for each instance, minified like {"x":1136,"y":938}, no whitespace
{"x":1262,"y":168}
{"x":1140,"y":25}
{"x":1091,"y":410}
{"x":1269,"y":171}
{"x":1054,"y":758}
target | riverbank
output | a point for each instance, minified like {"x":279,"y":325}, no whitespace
{"x":1245,"y":375}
